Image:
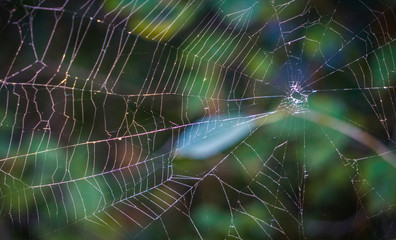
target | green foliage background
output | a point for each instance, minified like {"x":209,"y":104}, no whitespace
{"x":327,"y":165}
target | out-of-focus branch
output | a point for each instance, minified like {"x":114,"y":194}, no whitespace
{"x":340,"y":126}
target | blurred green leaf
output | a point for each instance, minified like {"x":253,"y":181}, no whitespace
{"x":209,"y":136}
{"x":208,"y":49}
{"x":379,"y":182}
{"x":156,"y":20}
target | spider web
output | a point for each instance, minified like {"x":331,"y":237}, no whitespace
{"x":98,"y":99}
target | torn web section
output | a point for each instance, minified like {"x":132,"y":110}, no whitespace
{"x":344,"y":79}
{"x":339,"y":64}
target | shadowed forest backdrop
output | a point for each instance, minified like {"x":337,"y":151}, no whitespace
{"x":194,"y":119}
